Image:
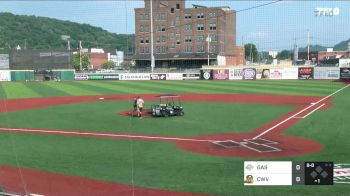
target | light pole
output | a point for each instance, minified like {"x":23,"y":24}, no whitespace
{"x":208,"y":40}
{"x":152,"y":55}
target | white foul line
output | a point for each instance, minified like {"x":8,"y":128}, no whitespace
{"x":103,"y":134}
{"x":313,"y":111}
{"x":268,"y":130}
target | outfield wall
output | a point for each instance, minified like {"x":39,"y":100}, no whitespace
{"x":137,"y":76}
{"x":31,"y":75}
{"x":286,"y":73}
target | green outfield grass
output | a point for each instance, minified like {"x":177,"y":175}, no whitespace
{"x":161,"y":165}
{"x":102,"y":116}
{"x":43,"y":89}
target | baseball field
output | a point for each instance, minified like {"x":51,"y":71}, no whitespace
{"x":77,"y":138}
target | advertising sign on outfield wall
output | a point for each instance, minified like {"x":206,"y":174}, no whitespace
{"x":5,"y":76}
{"x":306,"y":73}
{"x":134,"y":76}
{"x":290,"y":73}
{"x":221,"y":74}
{"x":276,"y":73}
{"x":191,"y":76}
{"x":236,"y":74}
{"x":207,"y":74}
{"x":249,"y":74}
{"x":158,"y":76}
{"x":174,"y":76}
{"x":345,"y":73}
{"x":326,"y":73}
{"x":81,"y":77}
{"x":262,"y":74}
{"x":111,"y":77}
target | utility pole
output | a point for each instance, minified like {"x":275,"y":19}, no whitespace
{"x":250,"y":53}
{"x":25,"y":44}
{"x":308,"y":45}
{"x":152,"y":55}
{"x":80,"y":63}
{"x":208,"y":40}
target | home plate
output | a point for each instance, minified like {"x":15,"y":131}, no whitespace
{"x":101,"y":98}
{"x":313,"y":103}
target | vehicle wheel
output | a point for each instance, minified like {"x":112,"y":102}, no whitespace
{"x":182,"y":113}
{"x":165,"y":114}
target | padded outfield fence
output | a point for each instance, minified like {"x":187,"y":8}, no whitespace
{"x":246,"y":73}
{"x":217,"y":73}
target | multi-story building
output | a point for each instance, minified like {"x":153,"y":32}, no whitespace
{"x":180,"y":34}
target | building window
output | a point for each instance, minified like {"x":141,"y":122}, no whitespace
{"x":188,"y":38}
{"x":172,"y":23}
{"x":212,"y":49}
{"x":141,"y":28}
{"x":158,"y":28}
{"x":177,"y":6}
{"x":163,"y":38}
{"x":200,"y":38}
{"x":163,"y":27}
{"x":172,"y":10}
{"x":146,"y":28}
{"x":158,"y":17}
{"x":164,"y":49}
{"x":141,"y":40}
{"x":141,"y":17}
{"x":188,"y":49}
{"x":163,"y":17}
{"x":188,"y":16}
{"x":212,"y":27}
{"x":213,"y":38}
{"x":158,"y":49}
{"x":146,"y":50}
{"x":177,"y":20}
{"x":146,"y":16}
{"x":177,"y":31}
{"x":142,"y":50}
{"x":188,"y":27}
{"x":200,"y":15}
{"x":200,"y":27}
{"x":200,"y":49}
{"x":158,"y":39}
{"x":172,"y":35}
{"x":212,"y":15}
{"x":146,"y":39}
{"x":172,"y":45}
{"x":178,"y":42}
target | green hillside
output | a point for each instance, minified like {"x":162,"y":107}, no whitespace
{"x":43,"y":33}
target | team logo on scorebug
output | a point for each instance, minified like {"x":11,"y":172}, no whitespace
{"x":342,"y":173}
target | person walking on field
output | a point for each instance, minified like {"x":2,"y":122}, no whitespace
{"x":134,"y":104}
{"x":139,"y":104}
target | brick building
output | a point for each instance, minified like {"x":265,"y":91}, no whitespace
{"x":180,"y":34}
{"x":318,"y":56}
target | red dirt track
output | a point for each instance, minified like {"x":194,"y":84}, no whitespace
{"x":266,"y":141}
{"x":45,"y":183}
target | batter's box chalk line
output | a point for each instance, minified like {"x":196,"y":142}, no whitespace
{"x":258,"y":145}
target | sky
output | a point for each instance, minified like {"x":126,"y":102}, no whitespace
{"x":273,"y":27}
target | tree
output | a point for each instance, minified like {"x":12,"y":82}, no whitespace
{"x":108,"y":65}
{"x":251,"y":53}
{"x":84,"y":61}
{"x":283,"y":55}
{"x":126,"y":64}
